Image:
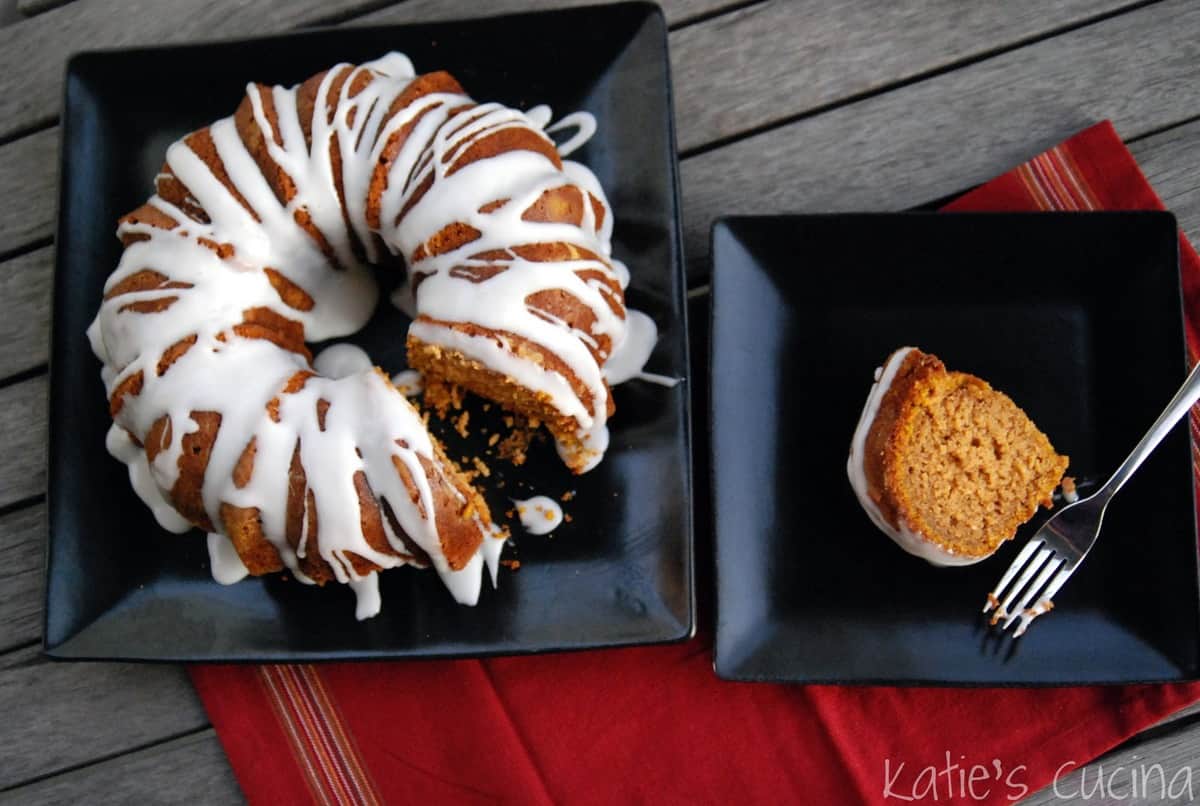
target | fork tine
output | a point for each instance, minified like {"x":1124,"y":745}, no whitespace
{"x":1045,"y":602}
{"x":1053,"y":565}
{"x":994,"y":597}
{"x":1030,"y":569}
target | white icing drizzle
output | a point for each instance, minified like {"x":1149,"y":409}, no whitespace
{"x":539,"y":515}
{"x":342,"y":360}
{"x":122,"y":447}
{"x":491,"y":557}
{"x":584,"y":124}
{"x":409,"y":382}
{"x":366,"y":593}
{"x":661,"y":380}
{"x":630,"y":354}
{"x":227,"y":567}
{"x":906,"y":538}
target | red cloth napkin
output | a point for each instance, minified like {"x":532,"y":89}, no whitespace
{"x":654,"y":724}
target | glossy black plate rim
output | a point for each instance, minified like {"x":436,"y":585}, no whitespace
{"x":58,"y":647}
{"x":722,"y":666}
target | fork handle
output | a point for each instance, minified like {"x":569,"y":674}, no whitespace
{"x":1183,"y":401}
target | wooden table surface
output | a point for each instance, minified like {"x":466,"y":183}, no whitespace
{"x":800,"y":105}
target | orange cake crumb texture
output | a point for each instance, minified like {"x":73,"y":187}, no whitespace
{"x":958,"y":461}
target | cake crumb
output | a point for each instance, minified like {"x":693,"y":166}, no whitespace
{"x":441,"y":397}
{"x":568,"y":495}
{"x":483,"y":469}
{"x":515,"y":446}
{"x":493,"y":439}
{"x":460,"y":423}
{"x":512,"y":565}
{"x":567,"y":517}
{"x":1070,"y":494}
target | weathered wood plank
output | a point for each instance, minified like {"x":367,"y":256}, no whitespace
{"x":188,"y":770}
{"x":23,"y":434}
{"x":776,"y":60}
{"x":29,"y":176}
{"x":676,"y":11}
{"x":59,"y":715}
{"x":1171,"y":161}
{"x":25,"y":310}
{"x":22,"y":550}
{"x":1131,"y":774}
{"x":33,"y":52}
{"x":935,"y":137}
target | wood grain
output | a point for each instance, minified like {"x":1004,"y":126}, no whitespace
{"x":22,"y":556}
{"x":25,"y":287}
{"x":776,"y":60}
{"x":188,"y":770}
{"x":59,"y":715}
{"x":23,"y":435}
{"x":29,"y":176}
{"x":33,"y":52}
{"x":1170,"y":160}
{"x":936,"y":137}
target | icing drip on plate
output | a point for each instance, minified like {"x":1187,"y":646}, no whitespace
{"x":342,"y":361}
{"x":539,"y":515}
{"x":227,"y":567}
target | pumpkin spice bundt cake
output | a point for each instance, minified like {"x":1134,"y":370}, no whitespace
{"x":258,"y":239}
{"x":944,"y":464}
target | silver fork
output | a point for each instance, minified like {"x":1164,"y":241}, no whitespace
{"x":1058,"y":548}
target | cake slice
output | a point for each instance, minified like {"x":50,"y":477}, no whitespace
{"x":944,"y":464}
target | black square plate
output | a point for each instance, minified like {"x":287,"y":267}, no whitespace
{"x":1075,"y":316}
{"x":619,"y":573}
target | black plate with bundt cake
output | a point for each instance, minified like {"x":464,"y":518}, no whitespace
{"x":354,"y":298}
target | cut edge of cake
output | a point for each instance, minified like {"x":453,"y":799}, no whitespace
{"x":917,"y":407}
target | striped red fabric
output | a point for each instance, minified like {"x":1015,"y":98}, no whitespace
{"x":653,"y":724}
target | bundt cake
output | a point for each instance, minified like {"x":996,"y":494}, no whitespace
{"x":944,"y":464}
{"x":258,"y":239}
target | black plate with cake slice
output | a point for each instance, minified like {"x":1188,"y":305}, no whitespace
{"x":1076,"y":317}
{"x":619,"y":572}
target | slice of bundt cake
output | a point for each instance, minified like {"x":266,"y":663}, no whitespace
{"x":944,"y":464}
